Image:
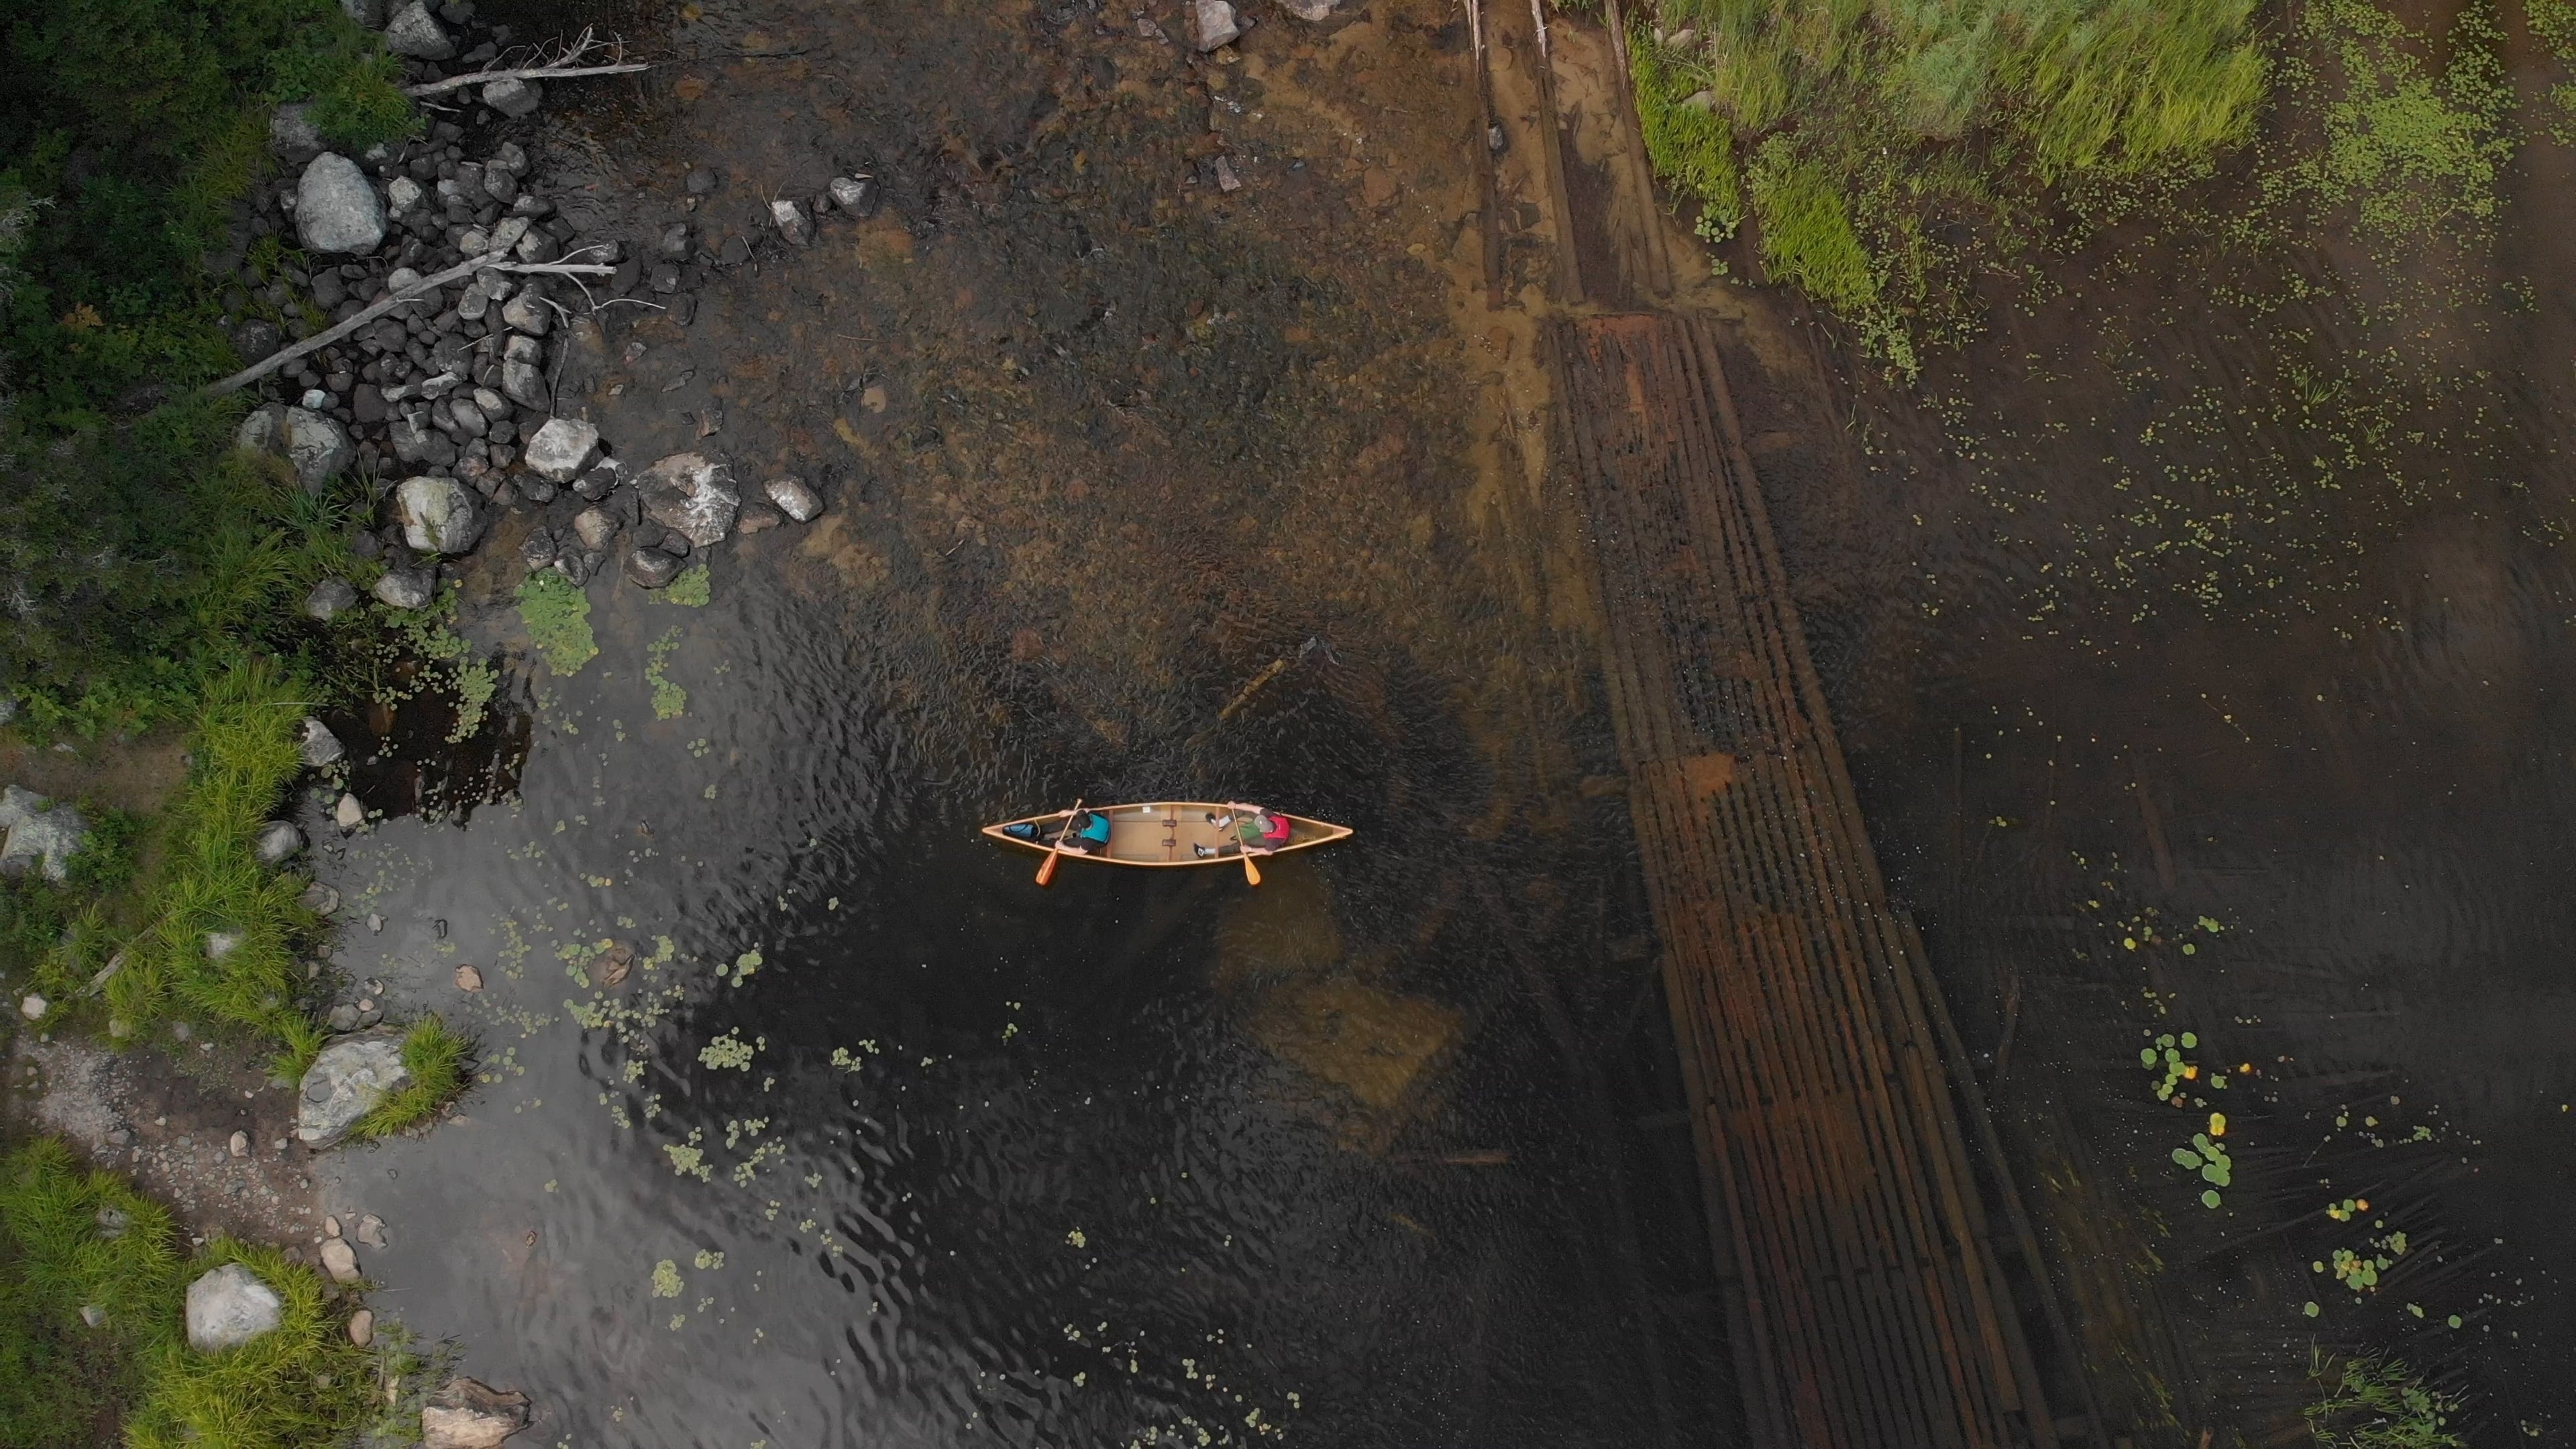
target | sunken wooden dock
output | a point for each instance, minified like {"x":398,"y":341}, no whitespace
{"x":1860,"y":1251}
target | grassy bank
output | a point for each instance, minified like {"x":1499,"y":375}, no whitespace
{"x":74,"y":1239}
{"x":1887,"y":156}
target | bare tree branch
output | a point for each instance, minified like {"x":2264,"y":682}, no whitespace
{"x":559,"y":68}
{"x":497,"y":260}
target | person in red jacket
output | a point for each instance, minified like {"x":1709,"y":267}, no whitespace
{"x":1256,"y":829}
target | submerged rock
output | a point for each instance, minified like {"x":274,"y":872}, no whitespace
{"x":336,"y":208}
{"x":651,"y":568}
{"x":1213,"y":24}
{"x":687,"y":492}
{"x":795,"y":499}
{"x":465,"y":1414}
{"x":345,"y":1082}
{"x":229,"y":1307}
{"x":438,"y":514}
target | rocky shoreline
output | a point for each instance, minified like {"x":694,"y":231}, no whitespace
{"x":452,"y":394}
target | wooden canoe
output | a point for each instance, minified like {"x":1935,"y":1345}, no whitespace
{"x":1161,"y":834}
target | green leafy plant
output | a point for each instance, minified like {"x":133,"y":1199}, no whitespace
{"x":691,"y":589}
{"x":439,"y":1061}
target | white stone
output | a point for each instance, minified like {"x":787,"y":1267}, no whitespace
{"x":229,"y":1307}
{"x":795,"y":498}
{"x":316,"y":446}
{"x":793,"y":222}
{"x":688,"y":492}
{"x":336,"y":208}
{"x":362,"y":1327}
{"x":33,"y":1007}
{"x":328,"y":598}
{"x":514,"y":98}
{"x":349,"y":814}
{"x":402,"y":194}
{"x":464,"y":1414}
{"x":438,"y":514}
{"x":406,"y":588}
{"x":291,"y":131}
{"x":1213,"y":24}
{"x":278,"y":843}
{"x":345,"y":1083}
{"x":414,"y":32}
{"x":561,"y":449}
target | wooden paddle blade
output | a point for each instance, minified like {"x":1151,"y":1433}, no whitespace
{"x":1046,"y":872}
{"x":1251,"y":872}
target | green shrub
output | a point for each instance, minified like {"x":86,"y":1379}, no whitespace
{"x":141,"y":121}
{"x":437,"y":1059}
{"x":73,"y":1238}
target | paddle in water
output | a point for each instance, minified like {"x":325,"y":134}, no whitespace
{"x":1055,"y":852}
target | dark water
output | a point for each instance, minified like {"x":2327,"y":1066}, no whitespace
{"x":1154,"y":498}
{"x":2158,"y":604}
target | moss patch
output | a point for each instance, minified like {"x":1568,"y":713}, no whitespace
{"x":557,"y":616}
{"x":691,"y":589}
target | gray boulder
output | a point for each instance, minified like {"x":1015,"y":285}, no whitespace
{"x":416,"y":442}
{"x":525,"y":385}
{"x":687,"y":492}
{"x":345,"y":1082}
{"x":328,"y":598}
{"x":464,"y":1414}
{"x":514,"y":98}
{"x":406,"y":588}
{"x":336,"y":208}
{"x":291,"y":132}
{"x":314,"y":445}
{"x":320,"y":748}
{"x":527,"y":312}
{"x":41,"y":835}
{"x":651,"y":568}
{"x":369,"y":13}
{"x":438,"y":514}
{"x":562,"y":448}
{"x":278,"y":843}
{"x":229,"y":1307}
{"x":848,"y":192}
{"x":402,"y":195}
{"x":414,"y":32}
{"x":795,"y":499}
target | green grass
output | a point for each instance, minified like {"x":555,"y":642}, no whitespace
{"x":557,"y":615}
{"x":65,"y":1383}
{"x":1871,"y":126}
{"x":2377,"y":1403}
{"x":197,"y":875}
{"x":437,"y":1059}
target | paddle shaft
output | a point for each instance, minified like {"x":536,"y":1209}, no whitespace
{"x":1251,"y":873}
{"x":1055,"y":851}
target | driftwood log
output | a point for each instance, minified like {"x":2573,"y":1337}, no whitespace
{"x":496,"y":260}
{"x":562,"y":67}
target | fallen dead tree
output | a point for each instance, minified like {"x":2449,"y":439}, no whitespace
{"x":562,"y":67}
